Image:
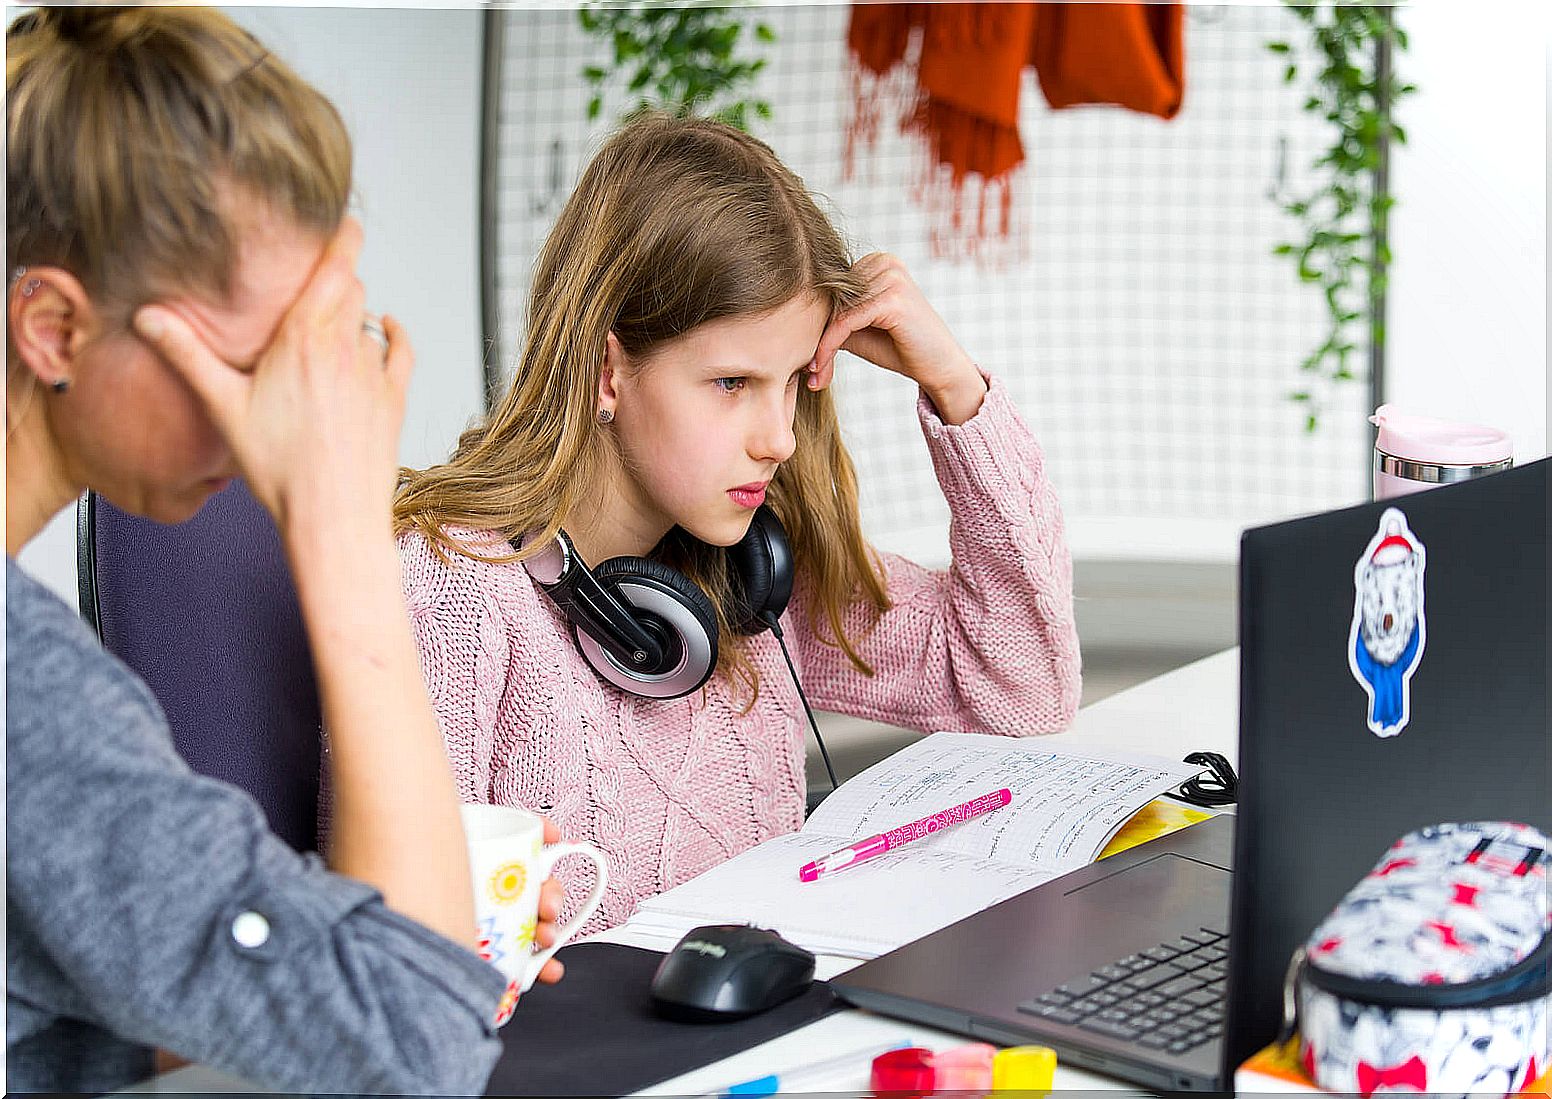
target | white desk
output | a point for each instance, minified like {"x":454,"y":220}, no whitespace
{"x":1187,"y":710}
{"x":1192,"y":708}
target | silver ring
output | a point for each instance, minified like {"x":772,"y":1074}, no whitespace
{"x":373,"y":327}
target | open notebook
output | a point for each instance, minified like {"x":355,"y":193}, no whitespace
{"x":1066,"y":805}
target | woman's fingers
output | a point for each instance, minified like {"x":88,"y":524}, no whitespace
{"x":551,"y":894}
{"x":330,"y":307}
{"x":398,"y":365}
{"x":220,"y":386}
{"x":334,"y":289}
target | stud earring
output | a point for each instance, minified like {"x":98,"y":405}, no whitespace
{"x":60,"y":385}
{"x":29,"y":287}
{"x":605,"y":416}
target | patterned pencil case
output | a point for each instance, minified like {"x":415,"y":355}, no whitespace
{"x":1432,"y":974}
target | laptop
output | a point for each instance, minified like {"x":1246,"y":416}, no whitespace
{"x":1393,"y":673}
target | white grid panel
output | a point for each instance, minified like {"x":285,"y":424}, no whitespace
{"x":1146,"y":332}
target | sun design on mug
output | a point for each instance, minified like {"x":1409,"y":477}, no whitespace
{"x":507,"y":883}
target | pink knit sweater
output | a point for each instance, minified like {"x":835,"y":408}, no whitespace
{"x":670,"y":789}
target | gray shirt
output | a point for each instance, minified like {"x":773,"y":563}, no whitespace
{"x":150,"y":906}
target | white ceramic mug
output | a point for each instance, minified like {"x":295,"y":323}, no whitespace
{"x":509,"y":861}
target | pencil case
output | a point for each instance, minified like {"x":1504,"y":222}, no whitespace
{"x":1431,"y":974}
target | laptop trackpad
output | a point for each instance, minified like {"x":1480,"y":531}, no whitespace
{"x":1168,"y":884}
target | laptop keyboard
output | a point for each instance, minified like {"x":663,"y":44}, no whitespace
{"x":1168,"y":998}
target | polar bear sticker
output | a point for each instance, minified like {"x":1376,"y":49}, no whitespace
{"x":1389,"y":630}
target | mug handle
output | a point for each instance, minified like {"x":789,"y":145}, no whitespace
{"x":549,"y":856}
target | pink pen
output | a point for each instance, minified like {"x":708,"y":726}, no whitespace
{"x":873,"y":846}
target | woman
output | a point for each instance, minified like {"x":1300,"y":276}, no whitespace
{"x":685,"y":316}
{"x":182,"y":308}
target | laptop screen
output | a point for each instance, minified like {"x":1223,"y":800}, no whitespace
{"x":1393,"y":674}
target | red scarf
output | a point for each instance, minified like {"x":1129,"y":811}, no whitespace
{"x":962,"y":96}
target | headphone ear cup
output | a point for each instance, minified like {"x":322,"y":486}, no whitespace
{"x":619,"y":569}
{"x":760,"y":565}
{"x":667,"y":602}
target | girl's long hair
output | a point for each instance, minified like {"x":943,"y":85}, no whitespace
{"x":676,"y":222}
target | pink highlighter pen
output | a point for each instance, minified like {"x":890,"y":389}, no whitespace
{"x":874,"y":846}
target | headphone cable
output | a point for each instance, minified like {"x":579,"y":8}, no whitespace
{"x":769,"y":618}
{"x":1212,"y":791}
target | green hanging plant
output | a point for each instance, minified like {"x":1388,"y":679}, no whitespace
{"x":1342,"y":220}
{"x":682,"y":58}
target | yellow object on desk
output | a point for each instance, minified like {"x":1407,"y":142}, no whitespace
{"x":1023,"y":1068}
{"x":1157,"y":818}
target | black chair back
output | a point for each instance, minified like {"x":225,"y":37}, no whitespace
{"x":205,"y":612}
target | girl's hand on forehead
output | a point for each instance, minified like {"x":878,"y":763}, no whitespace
{"x":894,"y":327}
{"x":314,"y":425}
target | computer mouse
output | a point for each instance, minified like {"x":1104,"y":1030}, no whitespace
{"x":728,"y":971}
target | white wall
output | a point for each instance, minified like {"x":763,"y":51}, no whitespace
{"x":1468,"y":307}
{"x":408,"y":85}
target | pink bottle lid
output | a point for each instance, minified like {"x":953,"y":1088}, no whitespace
{"x":1442,"y":442}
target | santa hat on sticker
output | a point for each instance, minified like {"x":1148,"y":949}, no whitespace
{"x":1393,"y":548}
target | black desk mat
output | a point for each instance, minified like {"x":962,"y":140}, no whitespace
{"x":596,"y":1033}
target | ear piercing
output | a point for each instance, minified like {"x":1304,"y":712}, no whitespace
{"x":605,"y":416}
{"x":30,"y":287}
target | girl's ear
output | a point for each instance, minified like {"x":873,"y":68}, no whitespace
{"x":614,"y":367}
{"x":50,"y":318}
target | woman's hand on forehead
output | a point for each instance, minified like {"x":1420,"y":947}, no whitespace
{"x":314,"y":425}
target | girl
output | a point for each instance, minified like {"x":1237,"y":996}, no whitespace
{"x":182,"y":307}
{"x":685,"y":316}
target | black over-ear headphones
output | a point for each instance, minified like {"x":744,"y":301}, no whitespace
{"x":646,"y":627}
{"x":649,"y":630}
